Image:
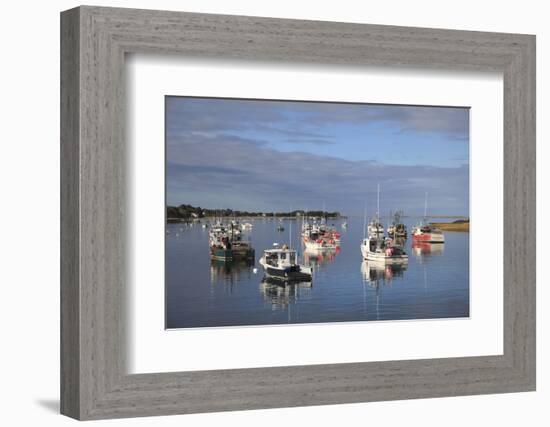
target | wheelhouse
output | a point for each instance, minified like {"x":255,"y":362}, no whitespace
{"x":280,"y":257}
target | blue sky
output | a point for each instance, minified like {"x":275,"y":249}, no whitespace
{"x":268,"y":155}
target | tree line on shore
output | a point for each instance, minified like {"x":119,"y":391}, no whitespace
{"x":189,"y":212}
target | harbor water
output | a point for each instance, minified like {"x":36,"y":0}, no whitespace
{"x":204,"y":293}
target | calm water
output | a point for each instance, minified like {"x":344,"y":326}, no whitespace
{"x":201,"y":293}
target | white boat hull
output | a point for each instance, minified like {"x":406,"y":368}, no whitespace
{"x":318,"y":246}
{"x":429,"y":237}
{"x":382,"y":257}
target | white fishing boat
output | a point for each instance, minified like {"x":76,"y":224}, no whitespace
{"x":382,"y":250}
{"x":282,"y":264}
{"x":315,"y":240}
{"x":319,"y":236}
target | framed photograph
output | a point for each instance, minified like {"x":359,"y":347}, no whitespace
{"x":262,"y":213}
{"x":243,"y":248}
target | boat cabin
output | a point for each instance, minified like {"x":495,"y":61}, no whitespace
{"x":280,"y":257}
{"x":382,"y":246}
{"x":374,"y":244}
{"x":426,"y":228}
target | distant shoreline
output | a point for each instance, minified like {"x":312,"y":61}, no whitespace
{"x":244,"y":217}
{"x":452,"y":226}
{"x":188,"y":212}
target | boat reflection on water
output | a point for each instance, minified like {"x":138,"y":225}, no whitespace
{"x":320,"y":257}
{"x":423,"y":250}
{"x":399,"y":241}
{"x":281,"y":294}
{"x":376,"y":273}
{"x":230,"y":272}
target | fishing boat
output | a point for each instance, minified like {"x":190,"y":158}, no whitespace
{"x":220,"y":248}
{"x":282,"y":264}
{"x":315,"y":237}
{"x":374,"y":246}
{"x":427,"y":234}
{"x":216,"y":229}
{"x":235,"y":227}
{"x":242,"y":249}
{"x":382,"y":250}
{"x":227,"y":244}
{"x":397,"y":228}
{"x":424,"y":232}
{"x":330,"y":232}
{"x":318,"y":235}
{"x":313,"y":242}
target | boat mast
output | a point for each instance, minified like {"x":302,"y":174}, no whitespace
{"x":378,"y":204}
{"x":426,"y":206}
{"x":290,"y":229}
{"x":365,"y":221}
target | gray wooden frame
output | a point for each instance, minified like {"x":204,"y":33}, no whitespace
{"x":94,"y":41}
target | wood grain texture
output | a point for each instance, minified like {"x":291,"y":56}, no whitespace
{"x":94,"y":381}
{"x":70,"y":259}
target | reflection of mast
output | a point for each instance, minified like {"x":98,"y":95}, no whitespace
{"x":377,"y":301}
{"x":364,"y":301}
{"x":288,"y":317}
{"x":317,"y":258}
{"x":229,"y":273}
{"x":377,"y":275}
{"x":425,"y":279}
{"x":424,"y":251}
{"x":281,"y":295}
